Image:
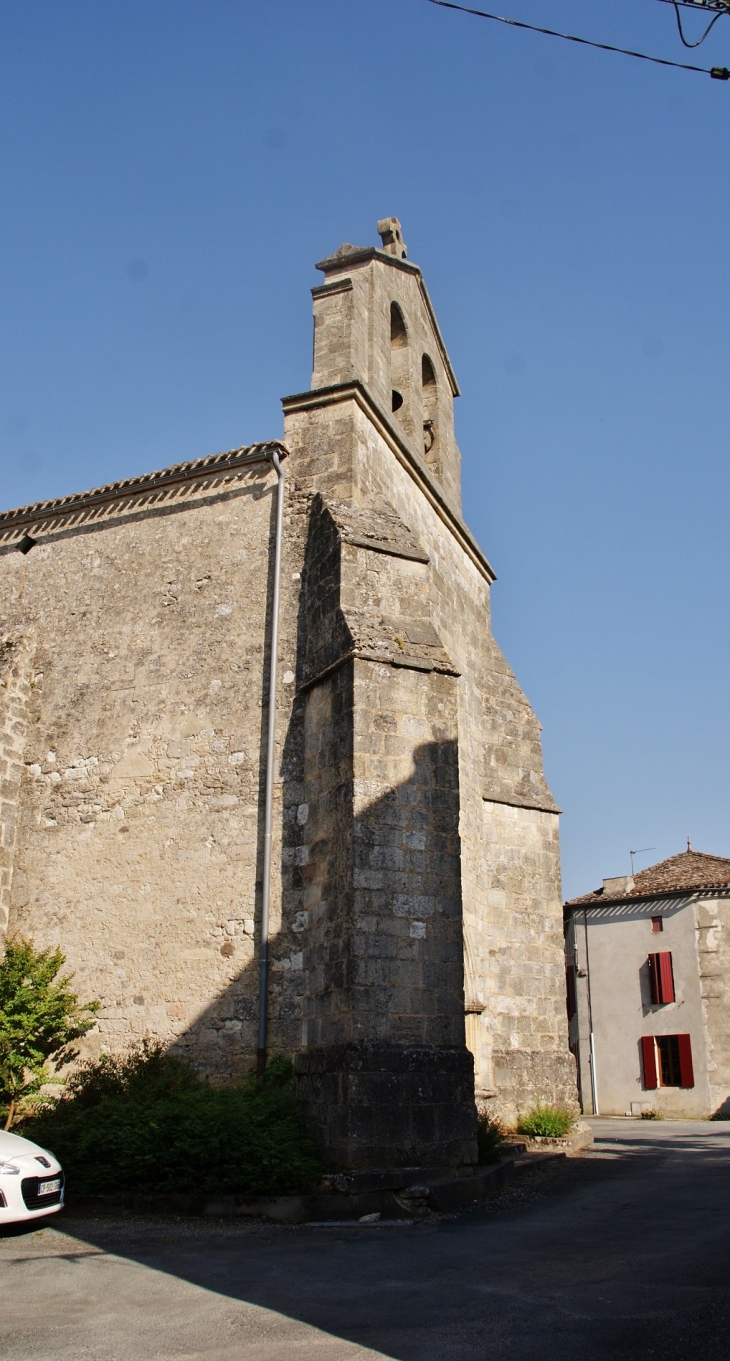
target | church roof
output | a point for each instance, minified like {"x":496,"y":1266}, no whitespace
{"x":80,"y":504}
{"x":690,"y":870}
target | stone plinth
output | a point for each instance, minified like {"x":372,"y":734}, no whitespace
{"x":381,"y":1105}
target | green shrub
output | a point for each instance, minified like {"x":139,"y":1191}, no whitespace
{"x":551,"y":1122}
{"x":651,"y":1114}
{"x":40,"y":1017}
{"x":490,"y":1138}
{"x":145,"y":1121}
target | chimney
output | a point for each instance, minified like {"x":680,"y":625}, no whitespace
{"x":618,"y":887}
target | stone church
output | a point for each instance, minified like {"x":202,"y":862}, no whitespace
{"x":365,"y":875}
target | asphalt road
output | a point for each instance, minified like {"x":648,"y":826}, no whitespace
{"x":619,"y":1255}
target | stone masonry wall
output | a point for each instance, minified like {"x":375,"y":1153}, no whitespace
{"x":712,"y":919}
{"x":16,"y":679}
{"x":138,"y":846}
{"x":524,"y":1057}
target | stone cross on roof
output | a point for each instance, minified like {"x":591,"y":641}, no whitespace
{"x":390,"y":233}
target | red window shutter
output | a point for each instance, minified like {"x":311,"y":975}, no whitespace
{"x":666,"y":976}
{"x":661,"y":977}
{"x":655,"y":979}
{"x":648,"y":1054}
{"x":686,"y":1071}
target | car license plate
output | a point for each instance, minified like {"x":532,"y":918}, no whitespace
{"x":47,"y":1188}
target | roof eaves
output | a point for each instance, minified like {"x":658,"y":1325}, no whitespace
{"x":13,"y":521}
{"x":693,"y":890}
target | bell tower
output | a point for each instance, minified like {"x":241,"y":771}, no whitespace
{"x":374,"y":324}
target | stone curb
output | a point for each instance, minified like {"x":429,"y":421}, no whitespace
{"x":580,"y":1137}
{"x":531,"y":1161}
{"x":415,"y":1201}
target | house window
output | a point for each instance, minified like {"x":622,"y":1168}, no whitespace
{"x":667,"y":1061}
{"x":668,"y":1056}
{"x":661,"y":978}
{"x":657,"y":924}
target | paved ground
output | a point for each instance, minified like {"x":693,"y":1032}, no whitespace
{"x":621,"y":1255}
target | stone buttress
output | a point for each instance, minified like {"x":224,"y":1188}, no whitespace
{"x":385,"y":1070}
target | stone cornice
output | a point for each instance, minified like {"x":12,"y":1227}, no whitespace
{"x":146,"y":491}
{"x":362,"y":255}
{"x":546,"y":805}
{"x":393,"y":550}
{"x":361,"y":395}
{"x":343,"y":285}
{"x":364,"y":654}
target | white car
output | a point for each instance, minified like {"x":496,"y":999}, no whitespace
{"x":31,"y":1180}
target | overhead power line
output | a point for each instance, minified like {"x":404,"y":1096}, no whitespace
{"x":713,"y":5}
{"x":716,"y":72}
{"x":716,"y":7}
{"x":704,"y":35}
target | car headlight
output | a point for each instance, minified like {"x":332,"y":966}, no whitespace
{"x":9,"y":1170}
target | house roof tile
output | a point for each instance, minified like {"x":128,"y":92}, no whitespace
{"x":689,"y":870}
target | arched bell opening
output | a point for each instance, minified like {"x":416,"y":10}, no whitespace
{"x":431,"y":442}
{"x":400,"y":368}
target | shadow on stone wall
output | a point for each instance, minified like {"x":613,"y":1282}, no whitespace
{"x":367,"y":949}
{"x":398,"y":968}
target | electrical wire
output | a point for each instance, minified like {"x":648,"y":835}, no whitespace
{"x":716,"y":72}
{"x":722,"y":6}
{"x":704,"y":35}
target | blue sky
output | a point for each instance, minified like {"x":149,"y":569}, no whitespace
{"x":171,"y":171}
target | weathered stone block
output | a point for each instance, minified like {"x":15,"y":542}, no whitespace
{"x":391,"y":1106}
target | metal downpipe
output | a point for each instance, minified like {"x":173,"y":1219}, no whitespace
{"x":270,"y":753}
{"x":591,"y":1040}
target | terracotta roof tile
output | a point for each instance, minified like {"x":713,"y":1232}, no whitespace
{"x":680,"y":873}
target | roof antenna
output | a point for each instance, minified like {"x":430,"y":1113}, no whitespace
{"x":641,"y":851}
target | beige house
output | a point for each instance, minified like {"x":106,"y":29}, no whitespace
{"x":647,"y":966}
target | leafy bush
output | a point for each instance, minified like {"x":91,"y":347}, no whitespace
{"x":39,"y":1020}
{"x":145,"y":1121}
{"x":651,"y":1114}
{"x":490,"y":1138}
{"x":551,"y":1122}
